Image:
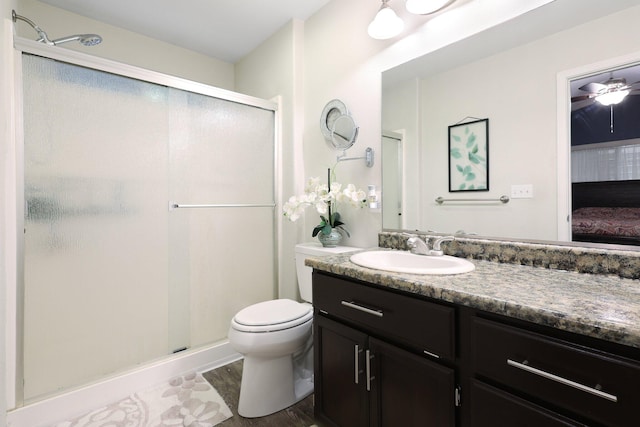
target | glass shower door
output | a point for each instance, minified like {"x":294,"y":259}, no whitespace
{"x":95,"y":297}
{"x":114,"y":276}
{"x":221,"y":232}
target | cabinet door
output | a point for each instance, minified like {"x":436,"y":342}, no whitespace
{"x":340,"y":393}
{"x":409,"y":390}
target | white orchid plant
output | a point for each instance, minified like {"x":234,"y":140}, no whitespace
{"x":324,"y":199}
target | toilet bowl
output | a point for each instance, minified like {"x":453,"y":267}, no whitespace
{"x":275,"y":338}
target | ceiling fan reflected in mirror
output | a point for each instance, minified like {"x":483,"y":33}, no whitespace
{"x":610,"y":92}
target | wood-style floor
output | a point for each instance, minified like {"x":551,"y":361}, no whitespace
{"x":226,"y":380}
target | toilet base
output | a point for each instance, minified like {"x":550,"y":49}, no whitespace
{"x":270,"y":385}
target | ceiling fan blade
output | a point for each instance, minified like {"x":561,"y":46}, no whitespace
{"x":581,"y":103}
{"x":593,"y":87}
{"x":581,"y":97}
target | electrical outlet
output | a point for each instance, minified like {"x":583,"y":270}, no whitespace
{"x":524,"y":191}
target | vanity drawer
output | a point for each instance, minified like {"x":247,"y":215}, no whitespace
{"x":492,"y":407}
{"x":420,"y":324}
{"x":583,"y":381}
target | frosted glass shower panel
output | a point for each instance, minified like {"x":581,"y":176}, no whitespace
{"x":222,"y":155}
{"x":221,"y":151}
{"x":96,"y":219}
{"x":231,"y":267}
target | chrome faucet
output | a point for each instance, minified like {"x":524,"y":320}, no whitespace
{"x":417,"y":246}
{"x":420,"y":247}
{"x":436,"y":245}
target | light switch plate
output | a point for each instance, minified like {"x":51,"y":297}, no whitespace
{"x":522,"y":191}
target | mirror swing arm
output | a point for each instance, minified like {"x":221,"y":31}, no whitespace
{"x":368,"y":157}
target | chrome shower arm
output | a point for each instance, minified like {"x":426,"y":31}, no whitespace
{"x":41,"y":34}
{"x":85,"y":39}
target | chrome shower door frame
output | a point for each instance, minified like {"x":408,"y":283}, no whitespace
{"x":15,"y":366}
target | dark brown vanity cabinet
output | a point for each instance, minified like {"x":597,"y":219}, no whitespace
{"x":389,"y":358}
{"x":538,"y":376}
{"x":370,"y":363}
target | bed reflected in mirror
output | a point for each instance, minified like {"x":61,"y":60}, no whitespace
{"x":605,"y":157}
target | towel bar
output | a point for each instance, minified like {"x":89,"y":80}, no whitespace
{"x":504,"y":199}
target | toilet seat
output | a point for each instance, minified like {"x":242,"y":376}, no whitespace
{"x":274,"y":315}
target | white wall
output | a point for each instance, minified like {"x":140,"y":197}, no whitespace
{"x":401,"y":113}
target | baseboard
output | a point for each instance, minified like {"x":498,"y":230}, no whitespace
{"x":79,"y":401}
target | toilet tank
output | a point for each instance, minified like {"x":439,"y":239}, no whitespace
{"x":306,"y":250}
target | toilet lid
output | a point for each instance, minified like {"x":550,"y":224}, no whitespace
{"x":272,"y":312}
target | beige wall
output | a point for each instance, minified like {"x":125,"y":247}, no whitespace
{"x":274,"y":71}
{"x":342,"y":61}
{"x":125,"y":46}
{"x":7,"y":200}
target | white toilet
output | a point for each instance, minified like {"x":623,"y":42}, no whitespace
{"x":275,"y":339}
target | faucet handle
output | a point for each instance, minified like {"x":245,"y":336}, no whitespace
{"x":411,"y":239}
{"x":416,"y":244}
{"x":439,"y":240}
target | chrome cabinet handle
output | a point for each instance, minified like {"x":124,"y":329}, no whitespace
{"x":428,"y":353}
{"x":356,"y":351}
{"x":368,"y":357}
{"x":525,"y":367}
{"x":358,"y":307}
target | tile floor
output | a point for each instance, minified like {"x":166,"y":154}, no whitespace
{"x":226,"y":381}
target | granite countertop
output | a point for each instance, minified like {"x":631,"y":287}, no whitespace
{"x":601,"y":306}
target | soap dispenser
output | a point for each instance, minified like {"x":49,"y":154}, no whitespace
{"x":372,"y":197}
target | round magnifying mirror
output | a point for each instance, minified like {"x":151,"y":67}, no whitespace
{"x":344,"y":132}
{"x":334,"y":109}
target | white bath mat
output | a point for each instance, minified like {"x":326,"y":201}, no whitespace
{"x":188,"y":401}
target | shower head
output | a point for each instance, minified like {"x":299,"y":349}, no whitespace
{"x":85,"y":39}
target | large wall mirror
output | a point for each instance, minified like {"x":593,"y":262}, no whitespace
{"x":520,"y":75}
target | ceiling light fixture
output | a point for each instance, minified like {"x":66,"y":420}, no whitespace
{"x":612,"y":98}
{"x":386,"y":24}
{"x":425,"y":7}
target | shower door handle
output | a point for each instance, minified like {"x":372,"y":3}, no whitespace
{"x":173,"y":205}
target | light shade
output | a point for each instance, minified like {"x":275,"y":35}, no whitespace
{"x":425,"y":7}
{"x":610,"y":98}
{"x":386,"y":24}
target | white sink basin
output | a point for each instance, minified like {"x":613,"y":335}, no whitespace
{"x":407,"y":262}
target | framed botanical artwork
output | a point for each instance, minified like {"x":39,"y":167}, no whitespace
{"x":469,"y":156}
